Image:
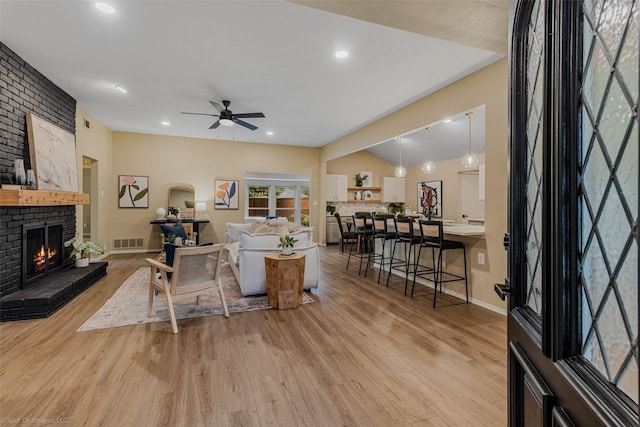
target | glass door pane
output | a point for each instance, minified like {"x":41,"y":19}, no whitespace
{"x":534,"y":142}
{"x":305,"y":193}
{"x":609,"y":191}
{"x":286,"y":202}
{"x":258,"y":201}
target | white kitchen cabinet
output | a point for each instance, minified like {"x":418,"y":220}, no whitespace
{"x":336,"y":188}
{"x":393,"y":190}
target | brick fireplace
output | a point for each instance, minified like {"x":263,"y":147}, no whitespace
{"x":23,"y":295}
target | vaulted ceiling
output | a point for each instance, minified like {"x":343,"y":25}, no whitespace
{"x":272,"y":56}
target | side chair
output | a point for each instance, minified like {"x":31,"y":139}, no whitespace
{"x":195,"y":270}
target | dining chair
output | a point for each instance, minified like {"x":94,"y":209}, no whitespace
{"x":345,"y":235}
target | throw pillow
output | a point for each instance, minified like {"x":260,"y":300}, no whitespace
{"x":176,"y":230}
{"x":170,"y":252}
{"x":232,"y":229}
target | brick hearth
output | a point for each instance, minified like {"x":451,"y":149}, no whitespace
{"x":46,"y":296}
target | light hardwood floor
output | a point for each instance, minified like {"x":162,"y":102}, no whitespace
{"x":361,"y":355}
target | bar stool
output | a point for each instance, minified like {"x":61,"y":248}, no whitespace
{"x":383,"y":231}
{"x":406,"y":236}
{"x":363,"y":233}
{"x":432,"y":237}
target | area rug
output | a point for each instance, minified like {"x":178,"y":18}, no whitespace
{"x":128,"y":305}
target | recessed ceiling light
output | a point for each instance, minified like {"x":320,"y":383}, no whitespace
{"x":121,"y":89}
{"x":342,"y":54}
{"x":166,"y":123}
{"x":104,"y":7}
{"x":270,"y":133}
{"x":447,"y":121}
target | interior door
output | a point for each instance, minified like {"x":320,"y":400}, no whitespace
{"x":573,"y":212}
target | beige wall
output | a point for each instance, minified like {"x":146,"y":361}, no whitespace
{"x":96,"y":143}
{"x":351,"y":164}
{"x":488,"y":86}
{"x":168,"y":160}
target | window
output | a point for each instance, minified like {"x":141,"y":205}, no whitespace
{"x":280,"y":195}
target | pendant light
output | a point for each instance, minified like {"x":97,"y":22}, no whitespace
{"x":470,"y":160}
{"x":401,"y":172}
{"x":428,"y":167}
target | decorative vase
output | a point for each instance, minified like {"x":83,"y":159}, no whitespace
{"x":171,"y":217}
{"x":31,"y":179}
{"x":19,"y":172}
{"x":287,"y":250}
{"x":82,"y":262}
{"x":161,"y":213}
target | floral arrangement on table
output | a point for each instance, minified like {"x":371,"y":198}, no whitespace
{"x":86,"y":249}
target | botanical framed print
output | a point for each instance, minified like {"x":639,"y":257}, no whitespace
{"x":430,"y":198}
{"x":133,"y":191}
{"x":226,"y":195}
{"x":53,"y":155}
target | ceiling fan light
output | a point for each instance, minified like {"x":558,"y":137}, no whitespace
{"x":226,"y":122}
{"x":400,"y":172}
{"x":428,"y":167}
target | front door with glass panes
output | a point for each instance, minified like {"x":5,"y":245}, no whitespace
{"x":573,"y":212}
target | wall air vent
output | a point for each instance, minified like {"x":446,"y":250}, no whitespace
{"x":131,"y":243}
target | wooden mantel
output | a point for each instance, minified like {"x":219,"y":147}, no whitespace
{"x":41,"y":198}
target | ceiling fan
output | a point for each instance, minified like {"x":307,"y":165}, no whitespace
{"x":228,"y":117}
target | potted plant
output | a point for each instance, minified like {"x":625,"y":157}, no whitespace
{"x":286,"y":243}
{"x":85,"y":248}
{"x":360,"y":179}
{"x":173,"y":213}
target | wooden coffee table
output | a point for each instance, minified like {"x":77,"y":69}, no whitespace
{"x":285,"y":280}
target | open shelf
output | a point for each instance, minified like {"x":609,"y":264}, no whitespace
{"x":364,"y":188}
{"x":9,"y":197}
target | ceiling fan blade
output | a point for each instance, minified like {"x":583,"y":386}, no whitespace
{"x":215,"y":125}
{"x":200,"y":114}
{"x":249,"y":115}
{"x":216,"y":106}
{"x":245,"y":124}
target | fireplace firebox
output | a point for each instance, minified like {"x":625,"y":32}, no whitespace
{"x":42,"y":250}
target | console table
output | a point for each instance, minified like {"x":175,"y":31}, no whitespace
{"x":196,"y":225}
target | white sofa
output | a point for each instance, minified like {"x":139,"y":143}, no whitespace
{"x":247,"y":250}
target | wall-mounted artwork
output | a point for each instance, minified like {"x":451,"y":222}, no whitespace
{"x":430,"y":198}
{"x":53,"y":155}
{"x":133,"y":191}
{"x":226,"y":194}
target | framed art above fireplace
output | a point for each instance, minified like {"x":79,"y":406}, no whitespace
{"x":53,"y":155}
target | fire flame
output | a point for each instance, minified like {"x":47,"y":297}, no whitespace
{"x":41,"y":257}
